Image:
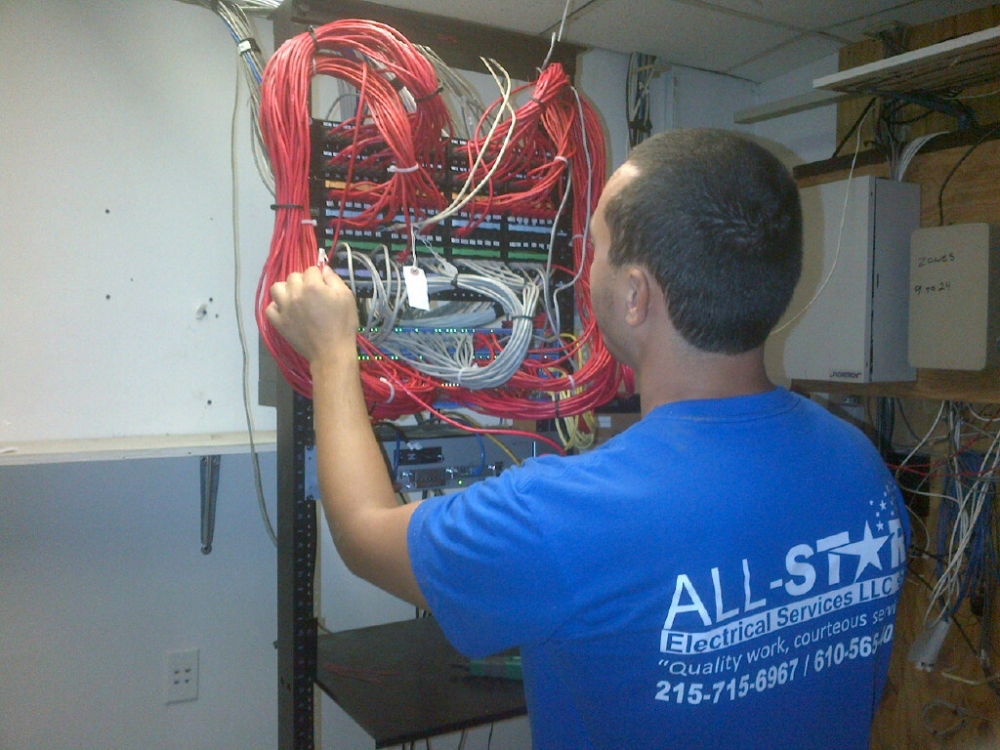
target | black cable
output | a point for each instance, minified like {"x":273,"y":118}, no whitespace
{"x":918,"y":118}
{"x":392,"y":426}
{"x":846,"y":138}
{"x":902,"y":414}
{"x":639,"y":125}
{"x":886,"y":129}
{"x":965,"y":156}
{"x":958,"y":626}
{"x":884,"y":425}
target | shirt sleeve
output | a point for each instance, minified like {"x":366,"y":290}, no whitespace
{"x":484,"y":563}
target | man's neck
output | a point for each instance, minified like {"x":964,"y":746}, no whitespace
{"x":691,"y":374}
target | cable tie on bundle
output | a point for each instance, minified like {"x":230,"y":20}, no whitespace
{"x":392,"y":389}
{"x":560,"y":157}
{"x":279,"y":206}
{"x":572,"y":383}
{"x":312,"y":33}
{"x":557,"y":404}
{"x":430,"y":95}
{"x":309,"y":221}
{"x":247,"y":45}
{"x":394,"y":168}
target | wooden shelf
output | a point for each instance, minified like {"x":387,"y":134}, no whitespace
{"x":952,"y":65}
{"x":935,"y":385}
{"x":133,"y":446}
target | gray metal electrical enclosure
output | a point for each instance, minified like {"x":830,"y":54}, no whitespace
{"x":848,"y":319}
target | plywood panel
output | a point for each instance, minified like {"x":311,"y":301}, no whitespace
{"x":986,"y":109}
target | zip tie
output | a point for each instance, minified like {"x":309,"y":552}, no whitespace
{"x":429,"y":96}
{"x":560,"y":157}
{"x":247,"y":45}
{"x":324,"y":259}
{"x":394,"y":168}
{"x":572,"y":384}
{"x":392,"y":389}
{"x":309,"y":221}
{"x":312,"y":33}
{"x":279,"y":206}
{"x":458,"y":379}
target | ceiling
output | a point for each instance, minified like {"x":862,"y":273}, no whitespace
{"x":753,"y":39}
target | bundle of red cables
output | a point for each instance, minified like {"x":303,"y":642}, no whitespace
{"x":400,"y":130}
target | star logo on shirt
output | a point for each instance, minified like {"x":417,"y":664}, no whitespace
{"x":867,"y":551}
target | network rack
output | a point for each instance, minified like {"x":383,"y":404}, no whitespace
{"x":301,"y":650}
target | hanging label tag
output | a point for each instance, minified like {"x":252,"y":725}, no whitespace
{"x":416,"y":288}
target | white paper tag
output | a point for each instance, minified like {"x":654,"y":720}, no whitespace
{"x":416,"y":288}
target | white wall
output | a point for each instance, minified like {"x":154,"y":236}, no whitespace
{"x":115,"y":182}
{"x":683,"y":97}
{"x":116,"y":222}
{"x":805,"y":136}
{"x":101,"y":575}
{"x":699,"y":99}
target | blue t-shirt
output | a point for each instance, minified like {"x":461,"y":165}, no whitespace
{"x":723,"y":574}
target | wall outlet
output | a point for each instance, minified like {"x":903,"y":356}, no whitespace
{"x":182,"y":676}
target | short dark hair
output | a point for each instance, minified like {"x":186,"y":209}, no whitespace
{"x":716,"y":219}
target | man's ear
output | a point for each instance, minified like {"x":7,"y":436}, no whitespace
{"x":638,"y":290}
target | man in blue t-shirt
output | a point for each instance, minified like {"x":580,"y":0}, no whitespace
{"x":725,"y":573}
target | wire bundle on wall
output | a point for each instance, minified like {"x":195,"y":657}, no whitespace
{"x":234,"y":14}
{"x":964,"y":526}
{"x":396,"y":193}
{"x":642,"y":69}
{"x":966,"y":545}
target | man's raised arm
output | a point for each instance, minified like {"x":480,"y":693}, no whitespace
{"x":317,"y":314}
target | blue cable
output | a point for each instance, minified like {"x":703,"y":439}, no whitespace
{"x":482,"y":453}
{"x":248,"y":59}
{"x":979,"y":550}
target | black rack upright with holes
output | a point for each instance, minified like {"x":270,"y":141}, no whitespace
{"x":418,"y":693}
{"x":400,"y":682}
